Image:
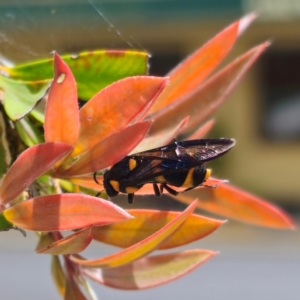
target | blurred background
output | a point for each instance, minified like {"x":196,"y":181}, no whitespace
{"x":263,"y":115}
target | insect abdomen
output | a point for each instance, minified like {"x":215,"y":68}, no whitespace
{"x":187,"y":178}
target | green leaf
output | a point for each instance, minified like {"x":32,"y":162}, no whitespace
{"x":28,"y":133}
{"x":5,"y":155}
{"x":93,"y":70}
{"x":38,"y":111}
{"x":58,"y":275}
{"x":4,"y":224}
{"x":21,"y":96}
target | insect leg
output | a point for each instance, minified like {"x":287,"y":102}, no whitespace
{"x":157,"y":191}
{"x":161,"y":188}
{"x":175,"y":193}
{"x":170,"y":190}
{"x":95,"y":178}
{"x":130,"y":198}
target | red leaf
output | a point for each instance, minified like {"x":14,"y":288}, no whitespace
{"x":62,"y":112}
{"x":160,"y":139}
{"x":203,"y":101}
{"x":114,"y":107}
{"x":150,"y":271}
{"x":140,"y":249}
{"x":64,"y":212}
{"x":191,"y":72}
{"x":71,"y":244}
{"x":202,"y":131}
{"x":234,"y":203}
{"x":32,"y":163}
{"x":146,"y":222}
{"x":88,"y":181}
{"x":73,"y":291}
{"x":108,"y":151}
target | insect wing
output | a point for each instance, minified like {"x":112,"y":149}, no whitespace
{"x":203,"y":150}
{"x":191,"y":152}
{"x":175,"y":157}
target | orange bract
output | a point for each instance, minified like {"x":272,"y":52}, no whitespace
{"x":63,"y":212}
{"x":140,"y":249}
{"x":147,"y":222}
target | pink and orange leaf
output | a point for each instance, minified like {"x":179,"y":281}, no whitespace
{"x":73,"y":291}
{"x":231,"y":202}
{"x":62,"y":112}
{"x":114,"y":108}
{"x":196,"y":68}
{"x":108,"y":151}
{"x":140,"y":249}
{"x":29,"y":165}
{"x":147,"y":222}
{"x":161,"y":138}
{"x":71,"y":244}
{"x":150,"y":271}
{"x":204,"y":100}
{"x":88,"y":182}
{"x":203,"y":130}
{"x":64,"y":212}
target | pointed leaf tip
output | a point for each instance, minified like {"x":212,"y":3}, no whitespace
{"x":109,"y":111}
{"x":62,"y":112}
{"x":231,"y":202}
{"x":245,"y":22}
{"x":58,"y":275}
{"x":71,"y":244}
{"x":205,"y":99}
{"x":191,"y":72}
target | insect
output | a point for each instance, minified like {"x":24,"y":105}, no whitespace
{"x":180,"y":164}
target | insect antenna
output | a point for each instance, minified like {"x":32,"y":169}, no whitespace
{"x":95,"y":178}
